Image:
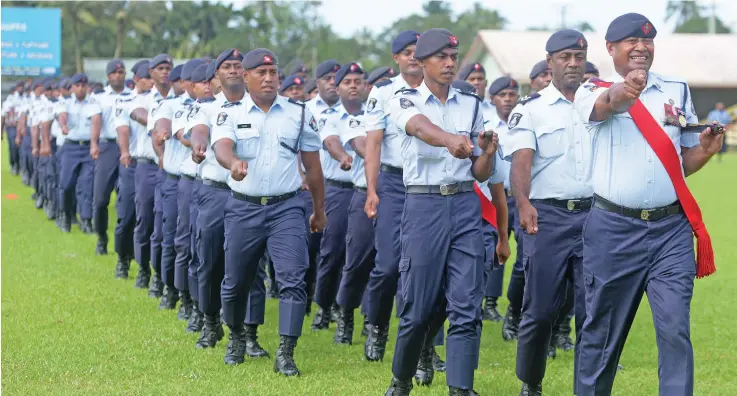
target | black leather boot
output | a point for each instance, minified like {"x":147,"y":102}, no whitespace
{"x":510,"y":329}
{"x":437,"y":363}
{"x":122,"y":267}
{"x":321,"y":321}
{"x":399,"y":387}
{"x":344,"y":331}
{"x":490,"y":312}
{"x":157,"y":287}
{"x":236,"y":349}
{"x":196,"y":320}
{"x":531,"y":390}
{"x":185,"y":308}
{"x":253,"y":348}
{"x":425,"y":372}
{"x":366,"y":329}
{"x":334,"y":313}
{"x":144,"y":277}
{"x":212,"y":332}
{"x":170,"y":298}
{"x":284,"y":362}
{"x":461,"y":392}
{"x":101,"y":248}
{"x":375,"y":345}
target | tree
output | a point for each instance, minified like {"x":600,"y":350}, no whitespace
{"x":689,"y":17}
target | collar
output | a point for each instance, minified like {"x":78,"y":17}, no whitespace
{"x":496,"y":121}
{"x":399,"y":82}
{"x":426,"y":95}
{"x":250,"y":104}
{"x":108,"y":89}
{"x":652,"y":80}
{"x":158,"y":94}
{"x":551,"y":94}
{"x":343,"y":113}
{"x":319,"y":100}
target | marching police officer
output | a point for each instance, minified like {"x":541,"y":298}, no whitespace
{"x":12,"y":105}
{"x":105,"y":151}
{"x":293,"y":87}
{"x":475,"y":74}
{"x":550,"y":152}
{"x":380,"y":74}
{"x":311,"y":89}
{"x":442,"y":273}
{"x":540,"y":76}
{"x":259,"y":140}
{"x":299,"y":70}
{"x":383,"y":164}
{"x":591,"y":71}
{"x":177,"y":81}
{"x":639,"y":235}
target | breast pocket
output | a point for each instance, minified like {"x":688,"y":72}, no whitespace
{"x":551,"y":141}
{"x":246,"y":144}
{"x":288,"y":144}
{"x":428,"y":152}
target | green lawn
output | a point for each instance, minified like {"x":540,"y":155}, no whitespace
{"x":69,"y":327}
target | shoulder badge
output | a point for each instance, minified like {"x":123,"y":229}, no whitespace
{"x":321,"y":123}
{"x":178,"y":114}
{"x":406,"y":91}
{"x":371,"y":104}
{"x":526,"y":99}
{"x":221,"y":118}
{"x":313,"y":124}
{"x":297,"y":102}
{"x":405,"y":103}
{"x":473,"y":95}
{"x":383,"y":83}
{"x":514,"y":120}
{"x":118,"y":112}
{"x":354,"y":123}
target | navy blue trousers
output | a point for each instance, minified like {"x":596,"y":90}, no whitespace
{"x":210,"y":237}
{"x":157,"y":236}
{"x":25,"y":154}
{"x":313,"y":244}
{"x":332,"y":245}
{"x":13,"y":149}
{"x":360,"y":254}
{"x":125,"y":207}
{"x":442,"y":275}
{"x":147,"y":174}
{"x":194,"y":260}
{"x":77,"y":169}
{"x":250,"y":230}
{"x":551,"y":258}
{"x":169,"y":196}
{"x":516,"y":287}
{"x":384,"y":277}
{"x":496,"y":269}
{"x":106,"y":178}
{"x":183,"y":237}
{"x":624,"y":258}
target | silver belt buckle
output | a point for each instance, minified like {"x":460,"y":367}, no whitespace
{"x":449,"y":189}
{"x":264,"y":200}
{"x":443,"y":189}
{"x":645,"y":215}
{"x":571,"y":204}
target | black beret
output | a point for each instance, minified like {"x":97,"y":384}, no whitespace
{"x":326,"y":67}
{"x":49,"y":85}
{"x":64,"y":83}
{"x":211,"y":68}
{"x":290,"y":81}
{"x":591,"y":68}
{"x":298,"y":68}
{"x":538,"y":68}
{"x":19,"y":84}
{"x":138,"y":64}
{"x":199,"y":74}
{"x":503,"y":83}
{"x":56,"y":85}
{"x":37,"y":83}
{"x":129,"y":83}
{"x":189,"y":68}
{"x":404,"y":39}
{"x":351,"y":67}
{"x":380,"y":72}
{"x":470,"y":68}
{"x":433,"y":41}
{"x":159,"y":59}
{"x":566,"y":39}
{"x":176,"y":73}
{"x":310,"y":86}
{"x":258,"y":57}
{"x":114,"y":65}
{"x":630,"y":25}
{"x":464,"y":86}
{"x":143,"y":71}
{"x":228,"y":54}
{"x":79,"y":78}
{"x":280,"y":73}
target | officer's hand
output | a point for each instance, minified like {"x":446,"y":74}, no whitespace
{"x":460,"y":146}
{"x":18,"y":139}
{"x":163,"y":137}
{"x":305,"y":186}
{"x":634,"y":83}
{"x":161,"y":162}
{"x":489,"y":142}
{"x":372,"y":202}
{"x":711,"y":141}
{"x":94,"y":151}
{"x":318,"y":219}
{"x":45,"y":151}
{"x":125,"y":159}
{"x":198,"y":152}
{"x":528,"y":218}
{"x":346,"y":163}
{"x":34,"y":151}
{"x":503,"y":251}
{"x":239,"y":170}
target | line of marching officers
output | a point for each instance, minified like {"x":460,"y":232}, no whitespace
{"x":365,"y":189}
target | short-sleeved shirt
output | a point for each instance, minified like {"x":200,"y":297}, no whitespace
{"x":79,"y":117}
{"x":269,"y":142}
{"x":107,"y":101}
{"x":348,"y":127}
{"x":626,"y":170}
{"x":377,"y":118}
{"x":549,"y":125}
{"x":150,"y":101}
{"x":210,"y":169}
{"x":189,"y":120}
{"x":331,"y":123}
{"x":425,"y":164}
{"x":175,"y":109}
{"x":123,"y":109}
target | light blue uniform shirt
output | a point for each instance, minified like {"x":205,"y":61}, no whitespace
{"x":123,"y":108}
{"x":107,"y":101}
{"x":626,"y":170}
{"x":258,"y":138}
{"x":347,"y":128}
{"x":151,"y":101}
{"x":210,"y":169}
{"x":332,"y":122}
{"x":79,"y":114}
{"x":721,"y":117}
{"x":502,"y":167}
{"x":200,"y":112}
{"x":175,"y":109}
{"x":317,"y":105}
{"x":549,"y":125}
{"x":426,"y":165}
{"x":377,"y":117}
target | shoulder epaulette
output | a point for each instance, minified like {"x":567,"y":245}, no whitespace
{"x":206,"y":100}
{"x":297,"y":102}
{"x":473,"y":95}
{"x":406,"y":91}
{"x":383,"y":83}
{"x":231,"y":104}
{"x":528,"y":98}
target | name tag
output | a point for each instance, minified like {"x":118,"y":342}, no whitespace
{"x":244,"y":126}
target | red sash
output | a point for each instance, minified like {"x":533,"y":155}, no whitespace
{"x":660,"y":142}
{"x":488,"y":210}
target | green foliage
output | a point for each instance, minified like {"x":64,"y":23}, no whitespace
{"x":692,"y":18}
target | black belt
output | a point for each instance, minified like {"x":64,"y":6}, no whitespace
{"x":77,"y":142}
{"x":144,"y":160}
{"x":339,"y":184}
{"x":361,"y":189}
{"x":188,"y":177}
{"x":198,"y":178}
{"x":215,"y":184}
{"x":113,"y":140}
{"x":391,"y":169}
{"x":654,"y":214}
{"x":570,"y":204}
{"x":172,"y":176}
{"x":443,"y":189}
{"x":264,"y":201}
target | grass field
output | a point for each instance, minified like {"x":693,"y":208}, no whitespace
{"x":69,"y":327}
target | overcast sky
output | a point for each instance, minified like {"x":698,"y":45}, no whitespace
{"x":349,"y":16}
